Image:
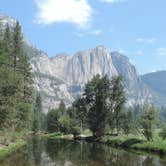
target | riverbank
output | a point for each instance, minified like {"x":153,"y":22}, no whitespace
{"x":157,"y":146}
{"x":138,"y":143}
{"x":12,"y":147}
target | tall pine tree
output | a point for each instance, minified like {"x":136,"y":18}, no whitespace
{"x":7,"y":86}
{"x":16,"y":83}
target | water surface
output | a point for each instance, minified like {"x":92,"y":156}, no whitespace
{"x":46,"y":152}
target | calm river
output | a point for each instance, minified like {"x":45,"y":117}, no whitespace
{"x":46,"y":152}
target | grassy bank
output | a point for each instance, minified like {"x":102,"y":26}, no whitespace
{"x":132,"y":142}
{"x":157,"y":146}
{"x":12,"y":147}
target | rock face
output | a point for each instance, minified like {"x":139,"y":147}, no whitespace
{"x":4,"y":20}
{"x":138,"y":93}
{"x":63,"y":77}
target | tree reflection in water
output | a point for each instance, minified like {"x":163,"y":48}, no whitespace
{"x":46,"y":152}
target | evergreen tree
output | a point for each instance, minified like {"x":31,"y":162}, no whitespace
{"x":17,"y":45}
{"x":16,"y":83}
{"x":6,"y":48}
{"x":24,"y":94}
{"x":62,"y":107}
{"x":37,"y":114}
{"x":7,"y":83}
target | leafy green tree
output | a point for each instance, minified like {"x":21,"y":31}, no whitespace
{"x":147,"y":121}
{"x":96,"y":95}
{"x":80,"y":108}
{"x":65,"y":123}
{"x":74,"y":118}
{"x":57,"y":119}
{"x":64,"y":120}
{"x":117,"y":100}
{"x":53,"y":124}
{"x":128,"y":122}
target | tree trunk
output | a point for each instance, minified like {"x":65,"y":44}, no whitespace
{"x":81,"y":127}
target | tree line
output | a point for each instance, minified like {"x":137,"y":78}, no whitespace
{"x":102,"y":110}
{"x":99,"y":109}
{"x":16,"y":83}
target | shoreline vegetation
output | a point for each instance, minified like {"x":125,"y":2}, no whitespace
{"x":131,"y":142}
{"x":11,"y":148}
{"x":138,"y":144}
{"x":101,"y":116}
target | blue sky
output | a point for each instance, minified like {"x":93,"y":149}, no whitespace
{"x":137,"y":28}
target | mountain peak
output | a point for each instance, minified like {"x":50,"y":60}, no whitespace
{"x":4,"y":20}
{"x":119,"y":55}
{"x":102,"y":47}
{"x":61,"y":56}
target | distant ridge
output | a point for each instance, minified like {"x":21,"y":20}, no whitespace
{"x":156,"y":81}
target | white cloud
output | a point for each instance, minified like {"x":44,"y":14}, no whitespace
{"x":161,"y":52}
{"x":146,"y":40}
{"x":78,"y":12}
{"x":112,"y":1}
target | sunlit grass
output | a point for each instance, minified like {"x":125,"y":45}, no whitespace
{"x":138,"y":142}
{"x":7,"y":150}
